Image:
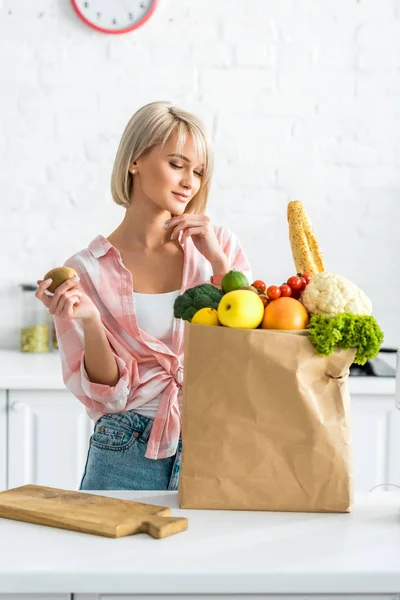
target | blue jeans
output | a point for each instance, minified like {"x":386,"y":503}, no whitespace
{"x":116,"y":460}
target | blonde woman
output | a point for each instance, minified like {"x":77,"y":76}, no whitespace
{"x":120,"y":346}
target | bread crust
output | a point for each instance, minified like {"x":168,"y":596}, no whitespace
{"x":306,"y":252}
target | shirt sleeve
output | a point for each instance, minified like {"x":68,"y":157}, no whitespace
{"x":233,"y":250}
{"x":95,"y":396}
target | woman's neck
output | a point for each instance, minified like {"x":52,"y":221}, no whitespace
{"x":141,"y":228}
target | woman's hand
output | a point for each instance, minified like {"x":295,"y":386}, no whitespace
{"x":67,"y":301}
{"x":201,"y":230}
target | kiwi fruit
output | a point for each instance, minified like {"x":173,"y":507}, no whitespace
{"x":249,"y":287}
{"x":59,"y":275}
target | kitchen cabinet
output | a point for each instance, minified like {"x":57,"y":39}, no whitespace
{"x":48,"y":437}
{"x":3,"y":440}
{"x":376,"y":441}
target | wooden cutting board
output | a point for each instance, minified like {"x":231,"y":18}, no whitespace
{"x":88,"y":513}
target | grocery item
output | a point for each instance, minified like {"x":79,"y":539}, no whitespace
{"x":264,"y":299}
{"x":260,"y":286}
{"x":59,"y":275}
{"x":296,"y":283}
{"x":273,"y":292}
{"x":285,"y":313}
{"x":193,"y":299}
{"x":206,"y":316}
{"x":346,"y":331}
{"x":330,"y":294}
{"x":306,"y":252}
{"x":286,"y":290}
{"x":241,"y":308}
{"x":233,"y":280}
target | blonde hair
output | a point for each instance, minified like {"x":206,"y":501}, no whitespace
{"x":152,"y":125}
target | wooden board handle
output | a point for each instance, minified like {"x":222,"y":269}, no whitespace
{"x":161,"y":527}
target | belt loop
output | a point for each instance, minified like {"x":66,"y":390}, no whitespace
{"x":146,"y":432}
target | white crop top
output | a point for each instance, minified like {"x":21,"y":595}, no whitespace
{"x":155,"y":315}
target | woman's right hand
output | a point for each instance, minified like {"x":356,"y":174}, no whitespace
{"x":67,"y":302}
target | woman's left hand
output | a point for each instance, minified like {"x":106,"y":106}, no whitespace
{"x":201,"y":230}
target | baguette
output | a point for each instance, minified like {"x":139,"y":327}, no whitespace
{"x":306,"y":252}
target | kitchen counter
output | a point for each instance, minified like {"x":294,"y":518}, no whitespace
{"x":226,"y":552}
{"x":22,"y":371}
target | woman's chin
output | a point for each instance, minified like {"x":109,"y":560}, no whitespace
{"x":177,"y":209}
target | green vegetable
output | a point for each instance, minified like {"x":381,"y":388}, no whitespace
{"x":204,"y":295}
{"x":346,"y":330}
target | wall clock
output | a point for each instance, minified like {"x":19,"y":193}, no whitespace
{"x":114,"y":16}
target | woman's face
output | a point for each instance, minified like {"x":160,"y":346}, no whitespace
{"x":168,"y":179}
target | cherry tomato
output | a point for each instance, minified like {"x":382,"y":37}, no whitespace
{"x":273,"y":292}
{"x":296,"y":294}
{"x":286,"y":290}
{"x":260,"y":286}
{"x":307,"y":277}
{"x":264,"y":299}
{"x":295,"y":283}
{"x":303,"y":283}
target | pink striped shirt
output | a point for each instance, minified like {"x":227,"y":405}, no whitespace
{"x":147,"y":367}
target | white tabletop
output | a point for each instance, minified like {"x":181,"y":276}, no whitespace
{"x":24,"y":371}
{"x":221,"y":552}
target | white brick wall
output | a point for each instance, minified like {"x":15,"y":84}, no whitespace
{"x":302,"y":98}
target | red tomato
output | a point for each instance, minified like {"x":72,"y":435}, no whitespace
{"x":295,"y":283}
{"x":260,"y":286}
{"x":296,"y":294}
{"x":264,"y":299}
{"x":307,"y":277}
{"x":303,"y":283}
{"x":286,"y":290}
{"x":273,"y":292}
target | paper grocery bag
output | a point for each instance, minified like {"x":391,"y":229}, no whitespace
{"x":266,"y":422}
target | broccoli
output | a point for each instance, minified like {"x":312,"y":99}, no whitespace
{"x":204,"y":295}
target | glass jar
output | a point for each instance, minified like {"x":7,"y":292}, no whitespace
{"x":35,"y":321}
{"x":54,"y":340}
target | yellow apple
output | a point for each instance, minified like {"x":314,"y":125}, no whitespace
{"x":241,"y":308}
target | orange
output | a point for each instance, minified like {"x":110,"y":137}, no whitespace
{"x":285,"y":313}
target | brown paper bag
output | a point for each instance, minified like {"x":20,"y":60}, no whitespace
{"x":266,"y":422}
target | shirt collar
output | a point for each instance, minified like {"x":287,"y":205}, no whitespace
{"x":99,"y":246}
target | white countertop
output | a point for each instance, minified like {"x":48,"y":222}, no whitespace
{"x":23,"y":371}
{"x":221,"y":552}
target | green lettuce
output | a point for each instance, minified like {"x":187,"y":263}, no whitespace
{"x":345,"y":331}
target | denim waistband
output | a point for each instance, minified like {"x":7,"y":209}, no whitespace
{"x":133,"y":420}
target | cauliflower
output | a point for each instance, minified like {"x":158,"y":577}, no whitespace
{"x":330,"y":294}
